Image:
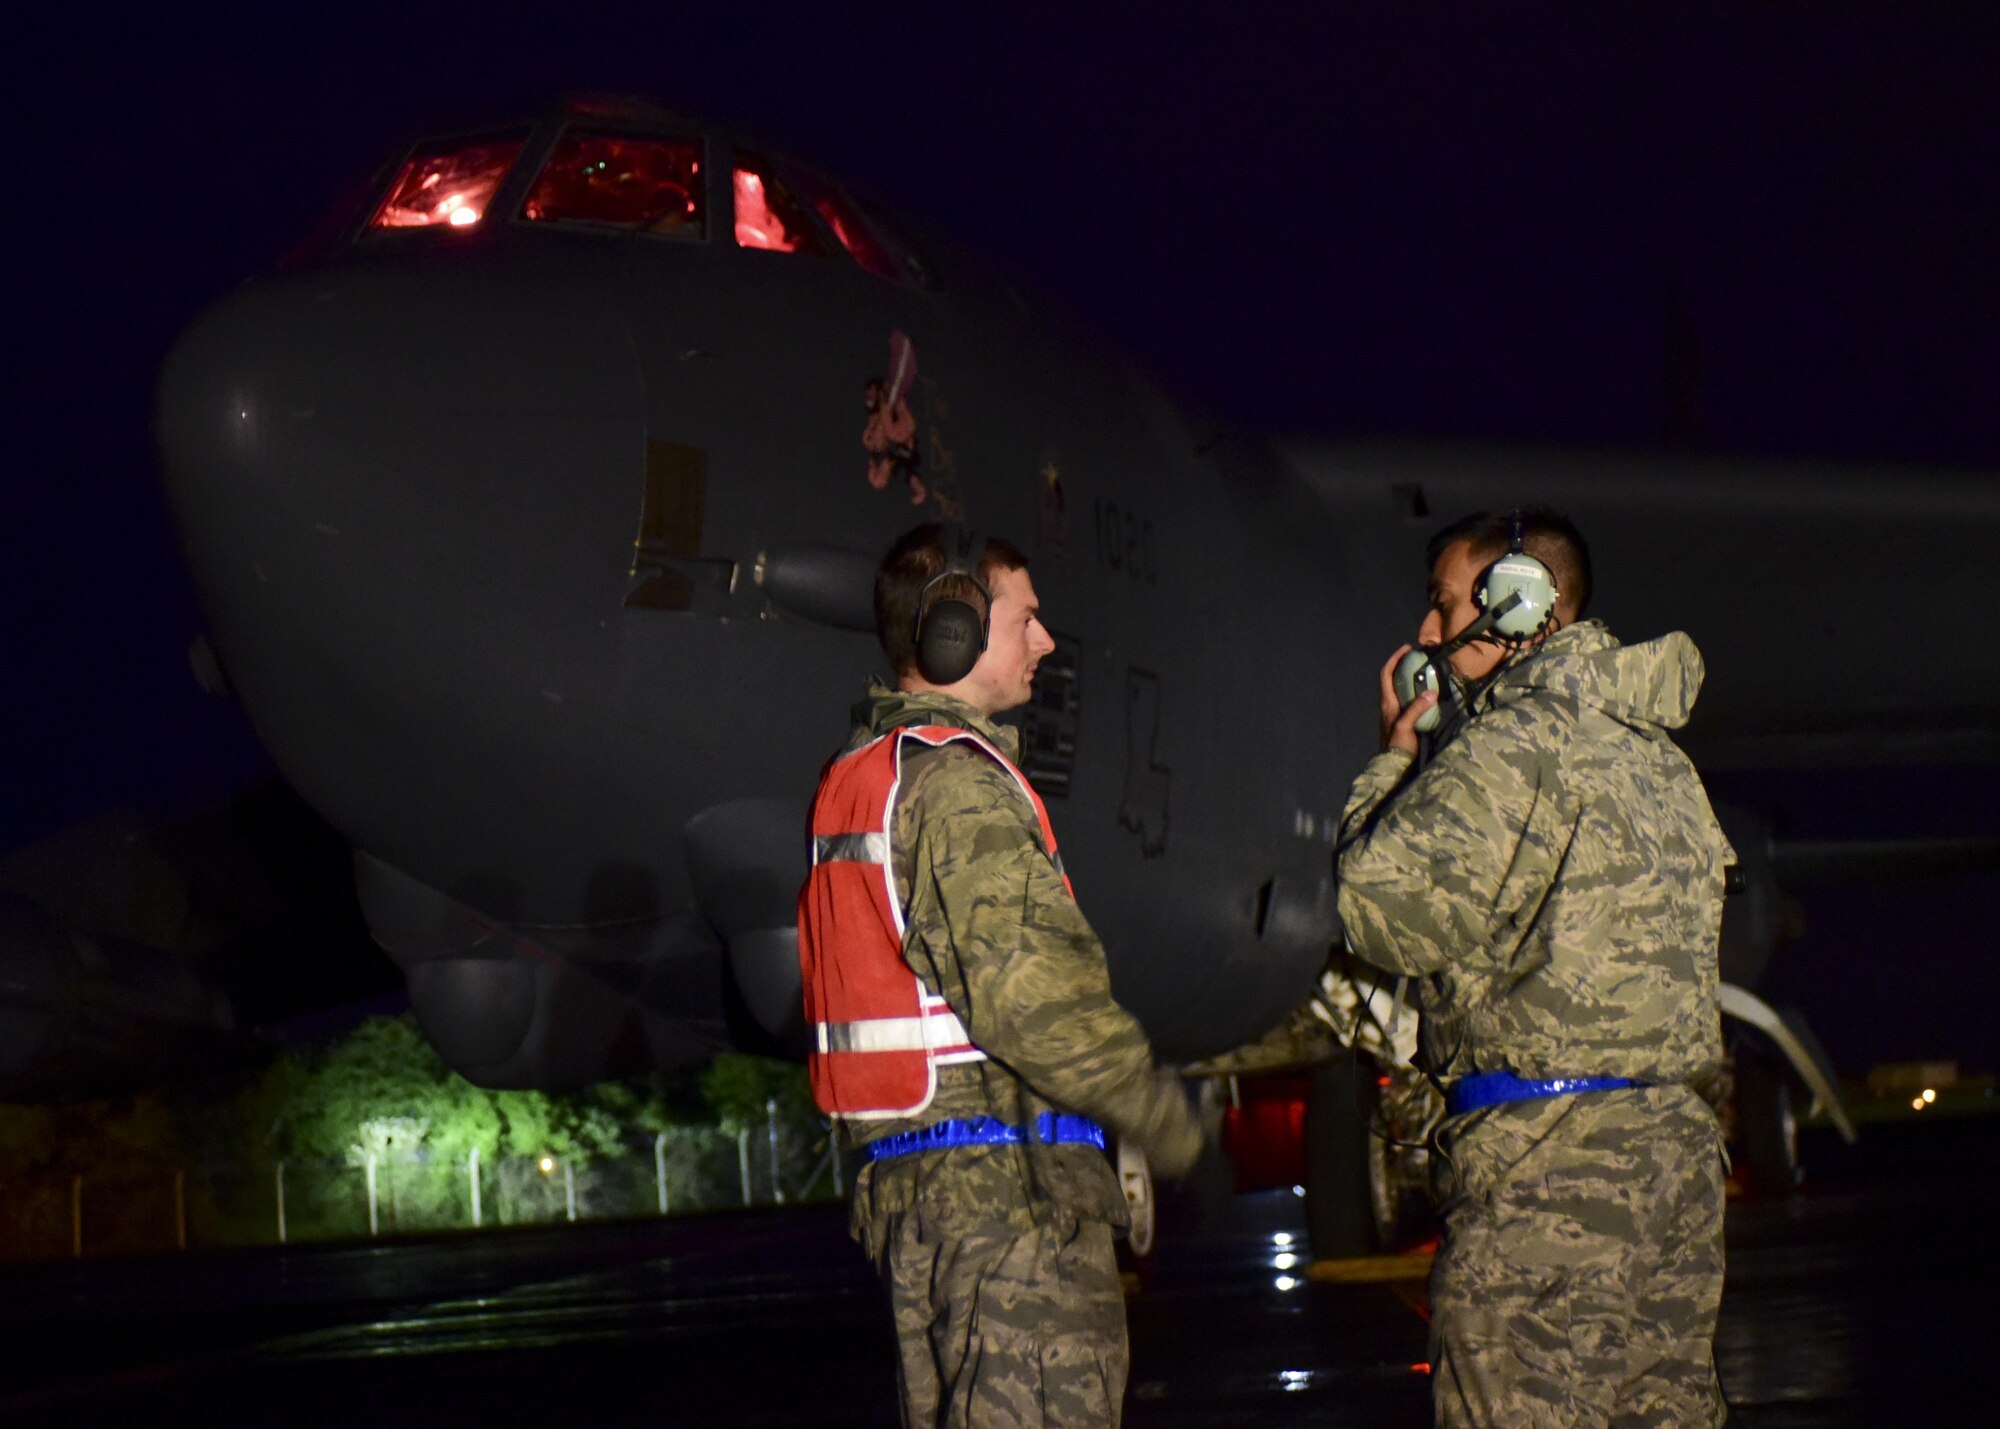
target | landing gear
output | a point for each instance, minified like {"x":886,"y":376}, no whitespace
{"x":1365,"y":1166}
{"x":1766,"y":1120}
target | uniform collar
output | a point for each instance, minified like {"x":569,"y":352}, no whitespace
{"x":885,"y":709}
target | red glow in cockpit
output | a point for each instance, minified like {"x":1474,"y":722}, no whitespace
{"x":446,"y":186}
{"x":757,"y":226}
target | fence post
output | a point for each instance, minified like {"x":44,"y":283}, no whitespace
{"x":373,"y":1226}
{"x":660,"y":1168}
{"x":281,"y":1202}
{"x":76,"y":1216}
{"x":569,"y":1188}
{"x":771,"y":1131}
{"x":472,"y":1170}
{"x":743,"y":1160}
{"x":180,"y":1209}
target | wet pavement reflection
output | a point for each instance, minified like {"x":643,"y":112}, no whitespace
{"x":1855,"y":1304}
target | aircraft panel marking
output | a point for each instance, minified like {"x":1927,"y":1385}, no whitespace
{"x":1054,"y":499}
{"x":1142,"y":809}
{"x":1125,"y":541}
{"x":1049,"y":724}
{"x":670,"y":521}
{"x":890,"y":436}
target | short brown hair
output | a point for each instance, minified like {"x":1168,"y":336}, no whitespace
{"x":912,"y":563}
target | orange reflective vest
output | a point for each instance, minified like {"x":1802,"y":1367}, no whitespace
{"x":879,"y":1035}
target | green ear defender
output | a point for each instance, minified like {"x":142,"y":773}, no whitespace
{"x":1516,"y":596}
{"x":1416,"y":676}
{"x":1520,"y":576}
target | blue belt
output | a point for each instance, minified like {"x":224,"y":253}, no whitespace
{"x":1492,"y":1088}
{"x":1050,"y":1127}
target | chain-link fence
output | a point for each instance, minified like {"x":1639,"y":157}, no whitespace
{"x":151,"y":1206}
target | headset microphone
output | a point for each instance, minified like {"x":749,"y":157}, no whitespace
{"x":1516,"y":596}
{"x":951,"y":636}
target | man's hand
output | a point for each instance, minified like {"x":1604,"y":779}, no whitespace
{"x":1399,"y":725}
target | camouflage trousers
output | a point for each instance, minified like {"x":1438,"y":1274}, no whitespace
{"x":1581,"y":1269}
{"x":1012,"y":1328}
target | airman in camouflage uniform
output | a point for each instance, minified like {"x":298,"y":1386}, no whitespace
{"x":998,"y":1258}
{"x":1554,"y":879}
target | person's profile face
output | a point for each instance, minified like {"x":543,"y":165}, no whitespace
{"x":1452,"y":608}
{"x":1016,"y":641}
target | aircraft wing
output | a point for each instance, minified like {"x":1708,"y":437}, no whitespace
{"x":1885,"y":665}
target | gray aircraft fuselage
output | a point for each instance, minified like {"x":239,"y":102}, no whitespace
{"x":538,"y":553}
{"x":492,"y":528}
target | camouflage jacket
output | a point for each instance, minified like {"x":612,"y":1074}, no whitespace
{"x":1554,"y":876}
{"x":993,"y":930}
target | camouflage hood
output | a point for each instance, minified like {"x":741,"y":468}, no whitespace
{"x":1651,"y":687}
{"x":886,"y":709}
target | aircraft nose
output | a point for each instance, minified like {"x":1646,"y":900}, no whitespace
{"x":406,"y":493}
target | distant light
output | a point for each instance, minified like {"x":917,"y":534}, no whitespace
{"x":1282,"y":1238}
{"x":1298,"y":1190}
{"x":1295,"y":1378}
{"x":1917,"y":1102}
{"x":464,"y":217}
{"x":1284,"y":1260}
{"x":1421,"y":1367}
{"x":1930,"y":1094}
{"x":548,"y":1164}
{"x":1286,"y":1282}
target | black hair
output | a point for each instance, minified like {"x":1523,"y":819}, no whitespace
{"x":1546,"y":534}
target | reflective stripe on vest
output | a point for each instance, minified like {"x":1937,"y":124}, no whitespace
{"x":851,"y":848}
{"x":879,"y":1034}
{"x":939,"y":1031}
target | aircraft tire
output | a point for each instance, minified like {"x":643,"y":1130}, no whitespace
{"x":1767,"y":1129}
{"x":1340,"y":1205}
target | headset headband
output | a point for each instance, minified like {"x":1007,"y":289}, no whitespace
{"x":964,"y":551}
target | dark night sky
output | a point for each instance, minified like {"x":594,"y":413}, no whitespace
{"x":1312,"y":218}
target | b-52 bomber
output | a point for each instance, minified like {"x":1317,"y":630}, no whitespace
{"x":533,"y":507}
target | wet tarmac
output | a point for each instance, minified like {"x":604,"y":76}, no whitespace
{"x":1866,"y":1302}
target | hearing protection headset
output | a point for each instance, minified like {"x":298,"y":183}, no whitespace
{"x":1523,"y":578}
{"x":951,"y":635}
{"x":1516,"y":596}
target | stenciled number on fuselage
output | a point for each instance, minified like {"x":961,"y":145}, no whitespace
{"x":1125,"y":541}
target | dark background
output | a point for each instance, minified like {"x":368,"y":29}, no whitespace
{"x":1766,"y":231}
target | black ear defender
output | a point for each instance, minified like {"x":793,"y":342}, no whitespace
{"x":1517,"y":593}
{"x":951,"y":635}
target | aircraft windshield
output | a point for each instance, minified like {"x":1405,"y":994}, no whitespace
{"x":767,"y":216}
{"x":848,"y":227}
{"x":447,"y":184}
{"x":622,"y":181}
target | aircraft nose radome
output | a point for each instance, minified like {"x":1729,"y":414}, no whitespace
{"x":407,"y":497}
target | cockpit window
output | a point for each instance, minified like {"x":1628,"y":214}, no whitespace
{"x":449,"y":183}
{"x":847,"y":225}
{"x":767,"y":216}
{"x":622,"y":181}
{"x":909,"y":262}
